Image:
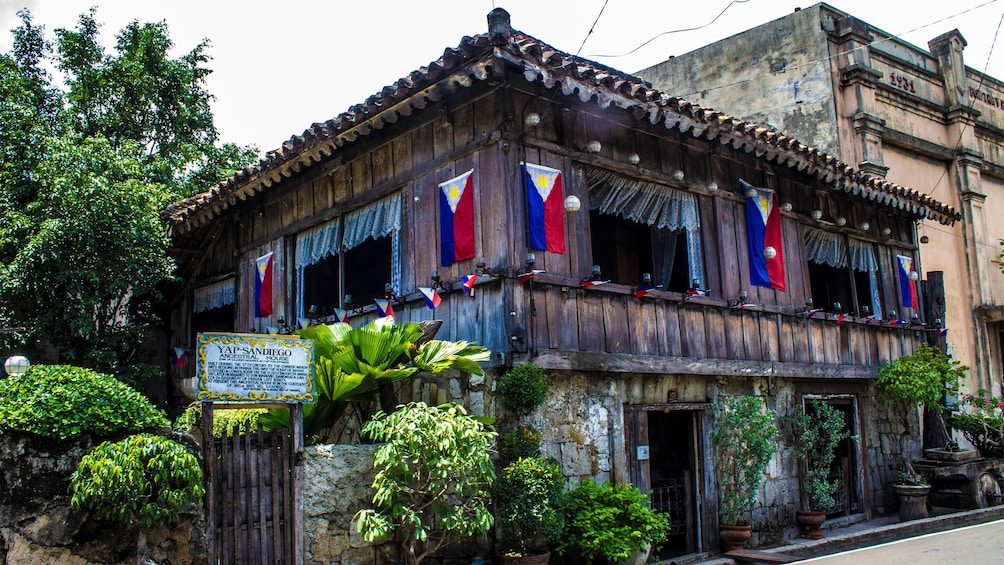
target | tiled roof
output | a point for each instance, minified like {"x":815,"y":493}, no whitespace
{"x":472,"y":61}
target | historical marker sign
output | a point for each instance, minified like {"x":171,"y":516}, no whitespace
{"x":255,"y":368}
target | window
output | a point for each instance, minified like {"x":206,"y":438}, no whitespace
{"x":639,"y":227}
{"x":213,"y":307}
{"x":355,"y":254}
{"x":837,"y":275}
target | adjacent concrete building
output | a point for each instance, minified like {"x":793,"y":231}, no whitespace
{"x":916,"y":117}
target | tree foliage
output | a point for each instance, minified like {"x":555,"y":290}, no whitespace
{"x":86,"y":164}
{"x":434,"y":472}
{"x":818,"y":430}
{"x":744,"y":439}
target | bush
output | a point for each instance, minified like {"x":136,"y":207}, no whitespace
{"x":144,"y":479}
{"x":60,"y":401}
{"x":523,"y":388}
{"x":528,"y":496}
{"x":982,"y":423}
{"x":521,"y":442}
{"x":609,"y":521}
{"x":433,"y":475}
{"x":223,"y":420}
{"x":744,"y":440}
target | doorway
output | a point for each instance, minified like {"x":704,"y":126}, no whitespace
{"x":666,"y":451}
{"x":845,"y":468}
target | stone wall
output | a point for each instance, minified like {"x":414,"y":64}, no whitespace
{"x":37,"y":524}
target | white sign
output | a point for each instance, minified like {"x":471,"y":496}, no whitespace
{"x":255,"y":368}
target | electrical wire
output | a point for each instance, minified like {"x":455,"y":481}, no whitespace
{"x":592,"y":27}
{"x":729,"y":5}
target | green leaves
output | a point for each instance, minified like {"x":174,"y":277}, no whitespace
{"x":528,"y":501}
{"x":818,"y":432}
{"x":744,"y":438}
{"x":61,"y":401}
{"x":609,"y":522}
{"x":523,"y":388}
{"x":434,"y":471}
{"x":922,"y":377}
{"x":144,"y":479}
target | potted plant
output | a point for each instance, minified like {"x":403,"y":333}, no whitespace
{"x":610,"y":523}
{"x":921,"y":378}
{"x":527,"y":510}
{"x":980,"y":417}
{"x":817,"y":431}
{"x":434,"y":472}
{"x":744,"y":439}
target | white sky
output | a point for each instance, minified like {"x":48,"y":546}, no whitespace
{"x":281,"y":66}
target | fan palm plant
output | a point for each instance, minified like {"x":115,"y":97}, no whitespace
{"x":353,"y":363}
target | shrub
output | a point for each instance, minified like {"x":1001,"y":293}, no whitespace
{"x":434,"y":470}
{"x":528,"y":497}
{"x":982,"y":423}
{"x":523,"y":388}
{"x":524,"y":441}
{"x":142,"y":480}
{"x":609,"y":521}
{"x":223,"y":420}
{"x":744,"y":440}
{"x":818,"y":431}
{"x":61,"y":401}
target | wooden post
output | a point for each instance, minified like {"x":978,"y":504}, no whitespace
{"x":208,"y":476}
{"x":296,"y":429}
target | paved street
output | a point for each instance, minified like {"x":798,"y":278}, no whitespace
{"x":980,"y":544}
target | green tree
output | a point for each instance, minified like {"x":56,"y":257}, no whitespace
{"x":85,"y":169}
{"x":434,"y":472}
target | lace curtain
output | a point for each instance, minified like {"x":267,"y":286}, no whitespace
{"x":652,"y":204}
{"x":216,"y":295}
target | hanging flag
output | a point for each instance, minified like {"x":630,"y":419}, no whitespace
{"x":697,"y":292}
{"x":842,"y":317}
{"x":545,"y":208}
{"x":467,"y":282}
{"x":456,"y":218}
{"x":528,"y":276}
{"x":178,"y":359}
{"x":943,"y":332}
{"x":263,"y":286}
{"x":907,"y":287}
{"x":385,"y":308}
{"x":763,"y":230}
{"x":304,"y":323}
{"x":341,"y":316}
{"x":812,"y":312}
{"x":432,"y":299}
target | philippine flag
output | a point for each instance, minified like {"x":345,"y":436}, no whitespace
{"x":385,"y":308}
{"x":763,"y":229}
{"x":467,"y":282}
{"x":907,"y":287}
{"x":179,"y":356}
{"x":432,"y":299}
{"x":263,"y":286}
{"x":456,"y":218}
{"x":341,"y":316}
{"x":545,"y":208}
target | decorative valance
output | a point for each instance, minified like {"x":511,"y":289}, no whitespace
{"x":375,"y":220}
{"x":317,"y":243}
{"x":216,"y":295}
{"x":647,"y":203}
{"x":827,"y":248}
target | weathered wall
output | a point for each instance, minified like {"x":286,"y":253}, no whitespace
{"x":37,"y":524}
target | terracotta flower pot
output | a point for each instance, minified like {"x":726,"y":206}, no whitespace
{"x":810,"y":521}
{"x":528,"y":559}
{"x":912,"y":501}
{"x":734,"y":537}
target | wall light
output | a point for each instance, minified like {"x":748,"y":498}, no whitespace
{"x":863,"y":226}
{"x":925,"y":239}
{"x":712,"y":186}
{"x":634,"y":158}
{"x":816,"y":215}
{"x":532,"y":119}
{"x":786,"y":207}
{"x":572,"y":203}
{"x":678,"y":175}
{"x":886,"y":232}
{"x":594,"y":146}
{"x":840,"y":221}
{"x":16,"y":365}
{"x":769,"y":252}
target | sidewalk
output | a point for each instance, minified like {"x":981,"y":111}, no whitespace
{"x":872,"y":532}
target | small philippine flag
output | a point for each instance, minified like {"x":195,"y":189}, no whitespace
{"x":304,"y":323}
{"x":456,"y":218}
{"x":526,"y":277}
{"x":594,"y":281}
{"x":545,"y":208}
{"x":432,"y":299}
{"x":341,"y":315}
{"x":179,"y":356}
{"x":467,"y":282}
{"x":385,"y":308}
{"x":263,"y":286}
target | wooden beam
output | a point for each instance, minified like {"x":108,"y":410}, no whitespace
{"x":648,"y":364}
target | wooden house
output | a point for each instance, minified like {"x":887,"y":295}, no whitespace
{"x":355,"y":206}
